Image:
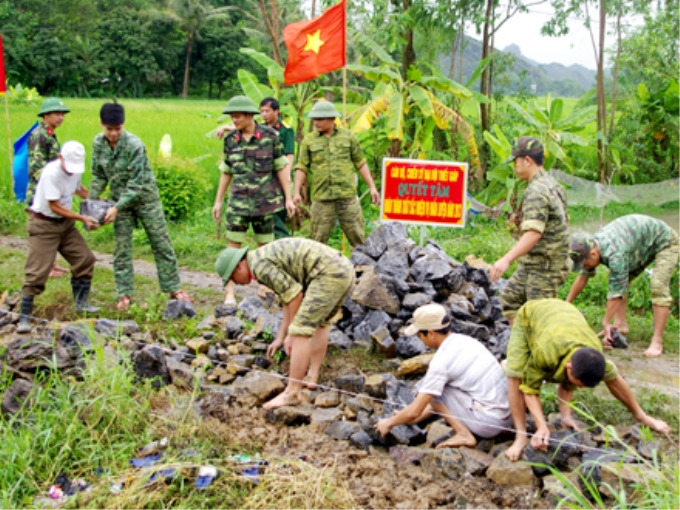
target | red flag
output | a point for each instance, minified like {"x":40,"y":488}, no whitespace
{"x":3,"y":83}
{"x":316,"y":46}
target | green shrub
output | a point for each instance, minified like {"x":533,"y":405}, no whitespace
{"x":182,"y":185}
{"x":23,"y":95}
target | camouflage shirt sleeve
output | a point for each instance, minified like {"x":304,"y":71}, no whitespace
{"x":535,"y":210}
{"x":588,"y":273}
{"x":357,"y":156}
{"x":99,"y":179}
{"x":37,"y":148}
{"x":618,"y":275}
{"x":276,"y":279}
{"x":303,"y":157}
{"x":138,"y":163}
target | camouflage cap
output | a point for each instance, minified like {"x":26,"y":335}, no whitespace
{"x":52,"y":104}
{"x":240,"y":104}
{"x":525,"y":146}
{"x":227,"y":261}
{"x":323,"y":110}
{"x":579,"y":248}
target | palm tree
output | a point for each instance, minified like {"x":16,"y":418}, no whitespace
{"x":191,"y":16}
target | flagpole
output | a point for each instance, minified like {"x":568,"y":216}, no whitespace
{"x":9,"y":136}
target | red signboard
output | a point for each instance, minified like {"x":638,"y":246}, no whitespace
{"x":424,"y":192}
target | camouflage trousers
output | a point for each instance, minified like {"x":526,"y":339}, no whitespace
{"x":349,"y":214}
{"x":664,"y":266}
{"x":532,"y":281}
{"x":151,"y":216}
{"x":324,"y":297}
{"x":280,"y":229}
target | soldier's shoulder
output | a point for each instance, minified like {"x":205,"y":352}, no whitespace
{"x":133,"y":140}
{"x":285,"y":124}
{"x":309,"y":138}
{"x":38,"y":132}
{"x":268,"y":131}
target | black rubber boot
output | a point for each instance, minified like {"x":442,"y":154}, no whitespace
{"x":25,"y":315}
{"x":81,"y":292}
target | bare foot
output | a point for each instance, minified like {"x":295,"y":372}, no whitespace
{"x":283,"y":399}
{"x":459,"y":440}
{"x":515,"y":451}
{"x":654,"y":350}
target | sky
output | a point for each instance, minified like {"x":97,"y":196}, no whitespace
{"x":524,"y":30}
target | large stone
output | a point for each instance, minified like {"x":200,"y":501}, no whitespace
{"x":415,"y":300}
{"x":322,"y":418}
{"x":150,"y":363}
{"x":257,"y":387}
{"x":16,"y":396}
{"x":410,"y":346}
{"x":479,"y":299}
{"x":444,"y":463}
{"x":359,"y":258}
{"x":360,"y":440}
{"x":404,"y":455}
{"x":592,"y":461}
{"x":461,"y":302}
{"x":628,"y":478}
{"x":558,"y":493}
{"x":376,"y":385}
{"x":384,"y":343}
{"x":393,"y":263}
{"x":462,"y":314}
{"x":359,"y":403}
{"x":181,"y":374}
{"x":478,"y":331}
{"x":327,"y":399}
{"x":251,"y":307}
{"x":77,"y":339}
{"x":476,"y":461}
{"x":291,"y":415}
{"x":513,"y":474}
{"x":233,"y":327}
{"x":649,"y":449}
{"x":225,"y":311}
{"x":415,"y":366}
{"x":479,"y":277}
{"x":373,"y":293}
{"x":339,"y":339}
{"x":350,"y":383}
{"x":407,"y":435}
{"x":33,"y":353}
{"x":198,"y":345}
{"x":178,"y":308}
{"x":353,"y":311}
{"x":240,"y":364}
{"x":342,"y":429}
{"x":114,"y":329}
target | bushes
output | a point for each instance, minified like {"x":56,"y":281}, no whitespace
{"x":183,"y":187}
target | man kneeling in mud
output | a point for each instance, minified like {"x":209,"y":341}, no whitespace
{"x":312,"y":281}
{"x":464,"y":383}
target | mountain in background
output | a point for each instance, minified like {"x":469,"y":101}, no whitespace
{"x":514,"y":73}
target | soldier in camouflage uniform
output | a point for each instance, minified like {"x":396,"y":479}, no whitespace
{"x":331,"y":154}
{"x":552,"y":341}
{"x":543,"y":249}
{"x":312,"y":281}
{"x":43,"y":147}
{"x":626,"y":246}
{"x":119,"y":159}
{"x":258,"y":171}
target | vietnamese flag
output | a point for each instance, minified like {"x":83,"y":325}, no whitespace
{"x":316,"y":46}
{"x":3,"y":83}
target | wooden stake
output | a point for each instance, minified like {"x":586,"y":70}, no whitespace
{"x":9,"y":137}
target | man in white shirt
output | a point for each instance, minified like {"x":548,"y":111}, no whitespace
{"x":464,"y":383}
{"x":51,"y":229}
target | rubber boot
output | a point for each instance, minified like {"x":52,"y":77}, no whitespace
{"x":25,"y":315}
{"x":81,"y":291}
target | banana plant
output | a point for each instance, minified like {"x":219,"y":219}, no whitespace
{"x":554,"y":132}
{"x":394,"y":97}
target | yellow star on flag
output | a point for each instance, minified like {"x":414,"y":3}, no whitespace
{"x":314,"y":42}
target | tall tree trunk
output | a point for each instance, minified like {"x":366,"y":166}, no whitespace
{"x":462,"y":46}
{"x":601,"y":98}
{"x":484,"y":86}
{"x":615,"y":75}
{"x":185,"y":88}
{"x":408,"y":57}
{"x":210,"y":84}
{"x":270,"y":15}
{"x":454,"y":53}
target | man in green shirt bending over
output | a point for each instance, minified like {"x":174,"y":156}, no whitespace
{"x":551,"y":341}
{"x":626,"y":246}
{"x":332,"y":154}
{"x":312,"y":281}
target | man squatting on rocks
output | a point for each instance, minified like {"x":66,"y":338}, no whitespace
{"x":544,"y":245}
{"x":259,"y":174}
{"x":464,"y":383}
{"x":43,"y":147}
{"x":626,"y":246}
{"x":331,"y":154}
{"x":269,"y":110}
{"x":312,"y":281}
{"x":551,"y":341}
{"x":51,"y":229}
{"x":119,"y":159}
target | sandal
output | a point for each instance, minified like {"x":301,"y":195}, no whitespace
{"x":123,"y":303}
{"x":181,"y":296}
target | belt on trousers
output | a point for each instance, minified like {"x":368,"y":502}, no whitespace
{"x":41,"y":216}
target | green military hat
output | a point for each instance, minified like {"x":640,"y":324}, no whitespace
{"x":52,"y":104}
{"x":227,"y":261}
{"x":323,"y":110}
{"x":525,"y":146}
{"x":240,"y":104}
{"x":579,"y":249}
